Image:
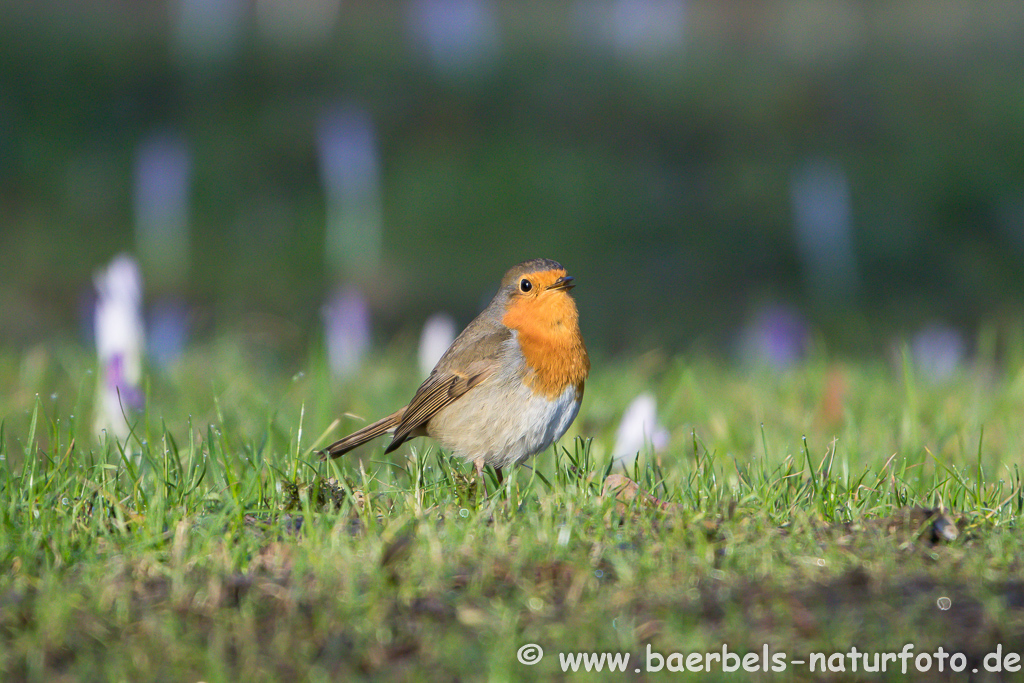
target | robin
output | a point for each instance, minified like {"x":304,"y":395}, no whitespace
{"x":509,"y":385}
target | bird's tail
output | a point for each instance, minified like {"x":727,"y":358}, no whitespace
{"x":367,"y":433}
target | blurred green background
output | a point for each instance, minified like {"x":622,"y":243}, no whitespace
{"x":858,"y":164}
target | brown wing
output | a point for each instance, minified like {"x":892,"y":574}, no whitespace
{"x":438,"y":391}
{"x":454,"y":374}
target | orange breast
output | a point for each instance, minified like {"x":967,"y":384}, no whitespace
{"x":549,"y":336}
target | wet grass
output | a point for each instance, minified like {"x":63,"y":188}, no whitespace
{"x":815,"y":509}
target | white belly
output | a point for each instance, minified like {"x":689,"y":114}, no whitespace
{"x":503,"y":422}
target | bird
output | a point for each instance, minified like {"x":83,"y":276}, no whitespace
{"x":508,"y":386}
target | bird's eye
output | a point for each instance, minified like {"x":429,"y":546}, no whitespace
{"x":525,"y":285}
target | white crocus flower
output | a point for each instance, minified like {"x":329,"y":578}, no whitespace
{"x":639,"y":430}
{"x":120,"y":343}
{"x":438,"y":334}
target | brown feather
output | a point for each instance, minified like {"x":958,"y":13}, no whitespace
{"x":438,"y":392}
{"x":367,"y":433}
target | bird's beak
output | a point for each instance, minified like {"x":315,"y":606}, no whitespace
{"x":564,"y":282}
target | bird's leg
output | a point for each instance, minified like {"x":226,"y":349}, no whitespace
{"x":478,"y":465}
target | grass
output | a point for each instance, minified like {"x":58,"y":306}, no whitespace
{"x":797,"y":509}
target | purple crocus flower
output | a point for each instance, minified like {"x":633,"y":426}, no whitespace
{"x":350,"y":172}
{"x":938,"y":351}
{"x":777,"y":335}
{"x":460,"y":36}
{"x":346,"y":331}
